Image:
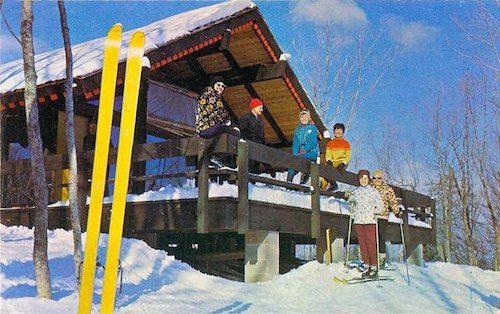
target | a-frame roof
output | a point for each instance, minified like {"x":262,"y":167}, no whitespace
{"x":230,"y":39}
{"x":87,"y":56}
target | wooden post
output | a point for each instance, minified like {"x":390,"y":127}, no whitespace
{"x":434,"y":222}
{"x":315,"y":205}
{"x":139,"y":168}
{"x":202,"y":208}
{"x":243,"y":205}
{"x":82,"y":190}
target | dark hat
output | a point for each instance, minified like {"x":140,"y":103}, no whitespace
{"x":339,"y":126}
{"x":216,"y":79}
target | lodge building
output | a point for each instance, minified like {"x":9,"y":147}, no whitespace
{"x":237,"y":235}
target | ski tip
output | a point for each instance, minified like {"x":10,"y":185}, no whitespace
{"x":114,"y":37}
{"x":138,"y":39}
{"x":117,"y":28}
{"x":136,"y":45}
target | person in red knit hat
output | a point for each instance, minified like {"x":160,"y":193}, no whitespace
{"x":252,"y":128}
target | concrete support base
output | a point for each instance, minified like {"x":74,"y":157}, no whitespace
{"x":338,"y":251}
{"x":389,"y":258}
{"x":261,"y":255}
{"x":416,"y":255}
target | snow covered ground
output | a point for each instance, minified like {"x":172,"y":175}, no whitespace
{"x":156,"y":283}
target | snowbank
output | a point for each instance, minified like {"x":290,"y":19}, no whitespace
{"x":156,"y":283}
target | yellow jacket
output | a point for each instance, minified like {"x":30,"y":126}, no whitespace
{"x":338,"y":151}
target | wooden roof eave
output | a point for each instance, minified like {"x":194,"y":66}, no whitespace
{"x":196,"y":36}
{"x":290,"y":73}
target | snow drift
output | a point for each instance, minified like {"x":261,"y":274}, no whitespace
{"x":154,"y":282}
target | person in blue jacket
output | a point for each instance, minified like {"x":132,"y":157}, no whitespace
{"x":305,"y":143}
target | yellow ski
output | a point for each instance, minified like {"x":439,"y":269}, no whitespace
{"x":106,"y":103}
{"x":127,"y":128}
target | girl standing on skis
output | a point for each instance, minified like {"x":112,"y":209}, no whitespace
{"x":365,"y":202}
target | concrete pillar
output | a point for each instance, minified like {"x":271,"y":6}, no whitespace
{"x":389,"y":258}
{"x":416,"y":255}
{"x":338,"y":250}
{"x":261,"y":255}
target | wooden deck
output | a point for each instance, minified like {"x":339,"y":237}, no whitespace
{"x":155,"y":217}
{"x":214,"y":227}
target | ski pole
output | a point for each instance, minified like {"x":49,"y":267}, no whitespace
{"x":404,"y":248}
{"x":348,"y":242}
{"x":378,"y":250}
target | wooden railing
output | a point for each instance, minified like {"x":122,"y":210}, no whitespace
{"x":198,"y":151}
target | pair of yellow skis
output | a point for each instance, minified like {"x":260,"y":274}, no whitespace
{"x":127,"y":127}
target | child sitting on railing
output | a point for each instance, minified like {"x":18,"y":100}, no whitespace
{"x":305,"y":143}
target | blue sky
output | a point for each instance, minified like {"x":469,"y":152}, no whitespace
{"x":424,"y":28}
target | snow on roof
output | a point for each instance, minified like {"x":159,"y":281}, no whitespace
{"x":87,"y":57}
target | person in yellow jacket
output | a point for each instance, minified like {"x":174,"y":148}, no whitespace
{"x":338,"y":154}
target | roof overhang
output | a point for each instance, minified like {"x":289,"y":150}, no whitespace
{"x":240,"y":48}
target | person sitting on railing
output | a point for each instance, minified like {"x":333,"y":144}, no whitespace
{"x":305,"y":143}
{"x":89,"y":139}
{"x":338,"y":154}
{"x":252,"y":128}
{"x":390,"y":204}
{"x":212,"y":118}
{"x":365,"y":203}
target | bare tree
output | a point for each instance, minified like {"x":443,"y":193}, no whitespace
{"x":344,"y":69}
{"x":443,"y":187}
{"x":395,"y":156}
{"x":464,"y":139}
{"x":37,"y":166}
{"x":481,"y":30}
{"x":71,"y":146}
{"x":480,"y":27}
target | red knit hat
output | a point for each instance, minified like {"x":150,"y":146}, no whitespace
{"x":255,"y":102}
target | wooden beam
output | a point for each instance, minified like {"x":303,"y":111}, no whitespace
{"x":434,"y":222}
{"x":285,"y":184}
{"x":276,"y":157}
{"x":140,"y":137}
{"x":243,"y":172}
{"x":315,"y":203}
{"x":226,"y":40}
{"x":271,"y":71}
{"x":202,"y":204}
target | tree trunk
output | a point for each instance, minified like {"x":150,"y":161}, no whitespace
{"x":447,"y":218}
{"x":70,"y":141}
{"x":42,"y":275}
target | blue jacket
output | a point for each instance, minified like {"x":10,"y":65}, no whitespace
{"x":306,"y":138}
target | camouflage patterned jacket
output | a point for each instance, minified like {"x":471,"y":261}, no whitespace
{"x":210,"y":111}
{"x":389,"y":199}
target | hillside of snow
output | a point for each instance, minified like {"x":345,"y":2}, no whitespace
{"x":154,"y":282}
